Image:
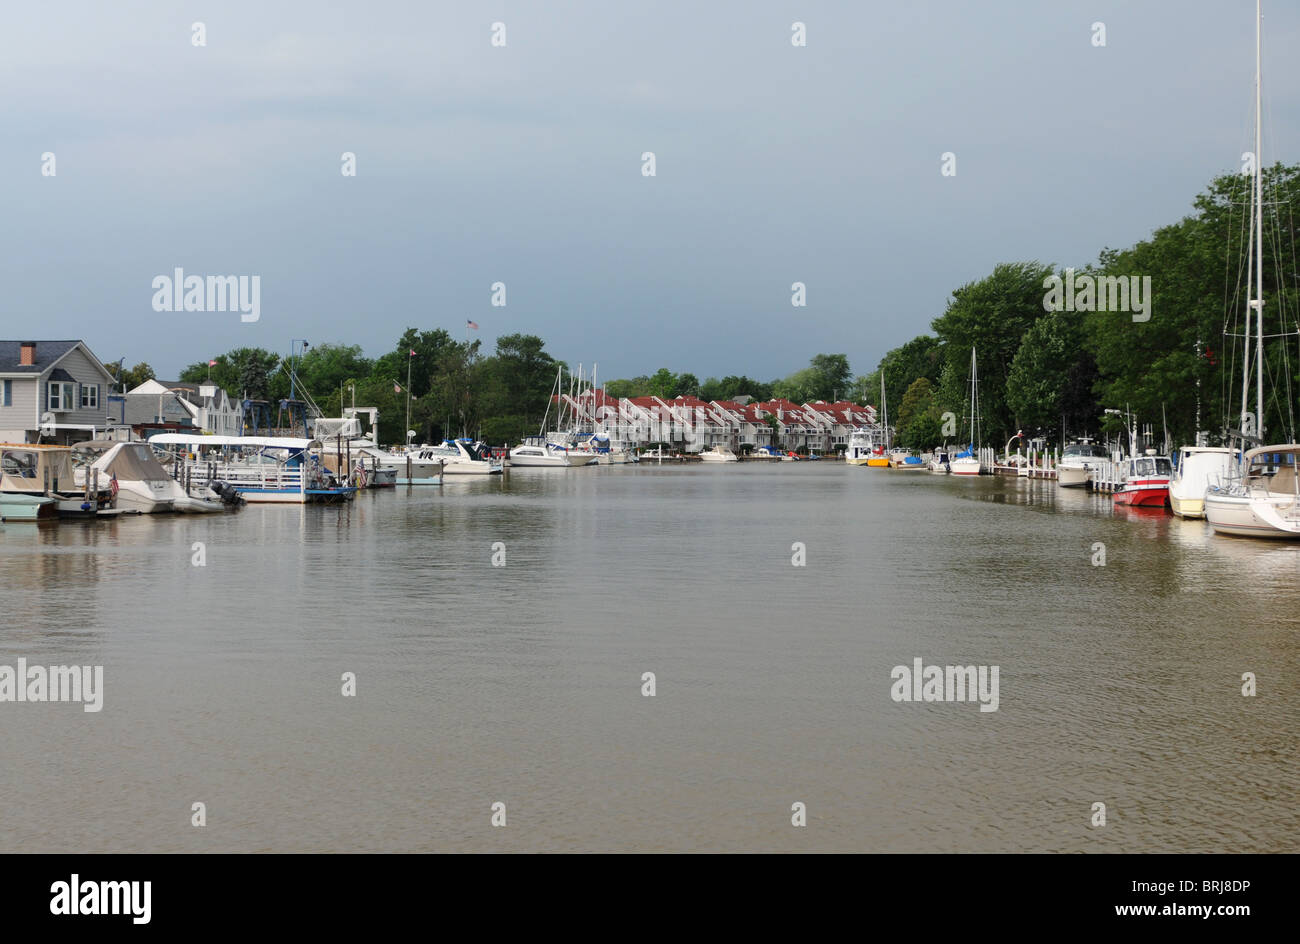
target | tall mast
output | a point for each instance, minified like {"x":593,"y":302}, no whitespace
{"x":1259,"y":237}
{"x":884,"y":408}
{"x":972,"y":396}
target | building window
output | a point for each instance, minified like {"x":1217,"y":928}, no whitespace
{"x":60,"y":396}
{"x":90,"y":396}
{"x":6,"y":393}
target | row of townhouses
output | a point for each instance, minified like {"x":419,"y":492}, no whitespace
{"x":60,"y":392}
{"x":691,"y":425}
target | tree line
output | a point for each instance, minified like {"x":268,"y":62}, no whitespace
{"x":1054,"y":373}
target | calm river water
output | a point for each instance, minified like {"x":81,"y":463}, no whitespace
{"x":522,"y":684}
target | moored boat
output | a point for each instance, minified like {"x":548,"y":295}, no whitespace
{"x":1265,"y":502}
{"x":1199,"y":468}
{"x":1078,"y":461}
{"x":1145,"y":481}
{"x":47,"y":471}
{"x":19,"y":507}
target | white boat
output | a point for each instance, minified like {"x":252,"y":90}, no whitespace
{"x":939,"y":462}
{"x":865,"y":444}
{"x":1078,"y":461}
{"x":260,"y":469}
{"x":143,"y":485}
{"x":459,"y":457}
{"x":719,"y":453}
{"x":604,"y":451}
{"x":967,"y":461}
{"x":536,"y":452}
{"x":1199,"y":469}
{"x":404,"y":468}
{"x":1265,"y":501}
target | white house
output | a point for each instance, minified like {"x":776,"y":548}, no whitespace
{"x":55,"y":391}
{"x":205,"y":407}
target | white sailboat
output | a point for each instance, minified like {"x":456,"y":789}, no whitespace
{"x":1265,"y":500}
{"x":967,"y":461}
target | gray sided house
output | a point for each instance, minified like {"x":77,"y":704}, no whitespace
{"x":51,"y":391}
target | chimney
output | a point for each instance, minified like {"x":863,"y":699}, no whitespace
{"x":27,"y":354}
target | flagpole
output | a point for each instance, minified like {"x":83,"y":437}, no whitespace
{"x":406,"y":433}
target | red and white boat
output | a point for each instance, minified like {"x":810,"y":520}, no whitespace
{"x":1146,"y":481}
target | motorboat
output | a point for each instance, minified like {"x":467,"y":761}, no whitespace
{"x":719,"y":453}
{"x":1198,"y":469}
{"x":939,"y":462}
{"x":1144,"y":481}
{"x":537,"y":452}
{"x":15,"y":506}
{"x":47,"y":471}
{"x":460,"y":457}
{"x":1078,"y":461}
{"x":143,"y":485}
{"x":405,"y":468}
{"x":866,"y":443}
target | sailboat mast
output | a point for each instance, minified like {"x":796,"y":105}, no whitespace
{"x":1259,"y":235}
{"x":884,"y":409}
{"x":972,"y":397}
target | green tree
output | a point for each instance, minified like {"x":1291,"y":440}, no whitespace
{"x":831,"y":376}
{"x":1050,"y":383}
{"x":992,"y":316}
{"x":663,"y":384}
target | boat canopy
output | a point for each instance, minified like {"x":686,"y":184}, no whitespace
{"x":1266,"y":451}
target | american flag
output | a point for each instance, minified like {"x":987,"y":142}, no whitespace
{"x":397,"y":388}
{"x":212,"y":363}
{"x":471,"y":324}
{"x":112,"y":485}
{"x":413,"y":353}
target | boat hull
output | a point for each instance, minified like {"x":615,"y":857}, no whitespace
{"x":1255,"y":516}
{"x":1143,"y":495}
{"x":27,"y":508}
{"x":965,"y":466}
{"x":1186,"y":507}
{"x":878,"y":462}
{"x":1071,"y":476}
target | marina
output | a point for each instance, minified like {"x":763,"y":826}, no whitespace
{"x":648,"y":442}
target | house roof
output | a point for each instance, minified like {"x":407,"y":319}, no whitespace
{"x":47,"y":352}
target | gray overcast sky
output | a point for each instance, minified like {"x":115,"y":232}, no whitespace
{"x":522,"y":164}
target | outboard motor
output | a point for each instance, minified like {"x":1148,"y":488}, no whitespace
{"x":228,"y":494}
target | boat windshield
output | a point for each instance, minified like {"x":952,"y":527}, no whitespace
{"x":19,"y":464}
{"x":1150,"y":466}
{"x":1087,"y":450}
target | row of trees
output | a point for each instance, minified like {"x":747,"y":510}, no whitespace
{"x":453,"y":387}
{"x":1054,"y":372}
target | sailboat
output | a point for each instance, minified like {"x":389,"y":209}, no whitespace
{"x":1265,"y":501}
{"x":967,"y":461}
{"x":879,"y":459}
